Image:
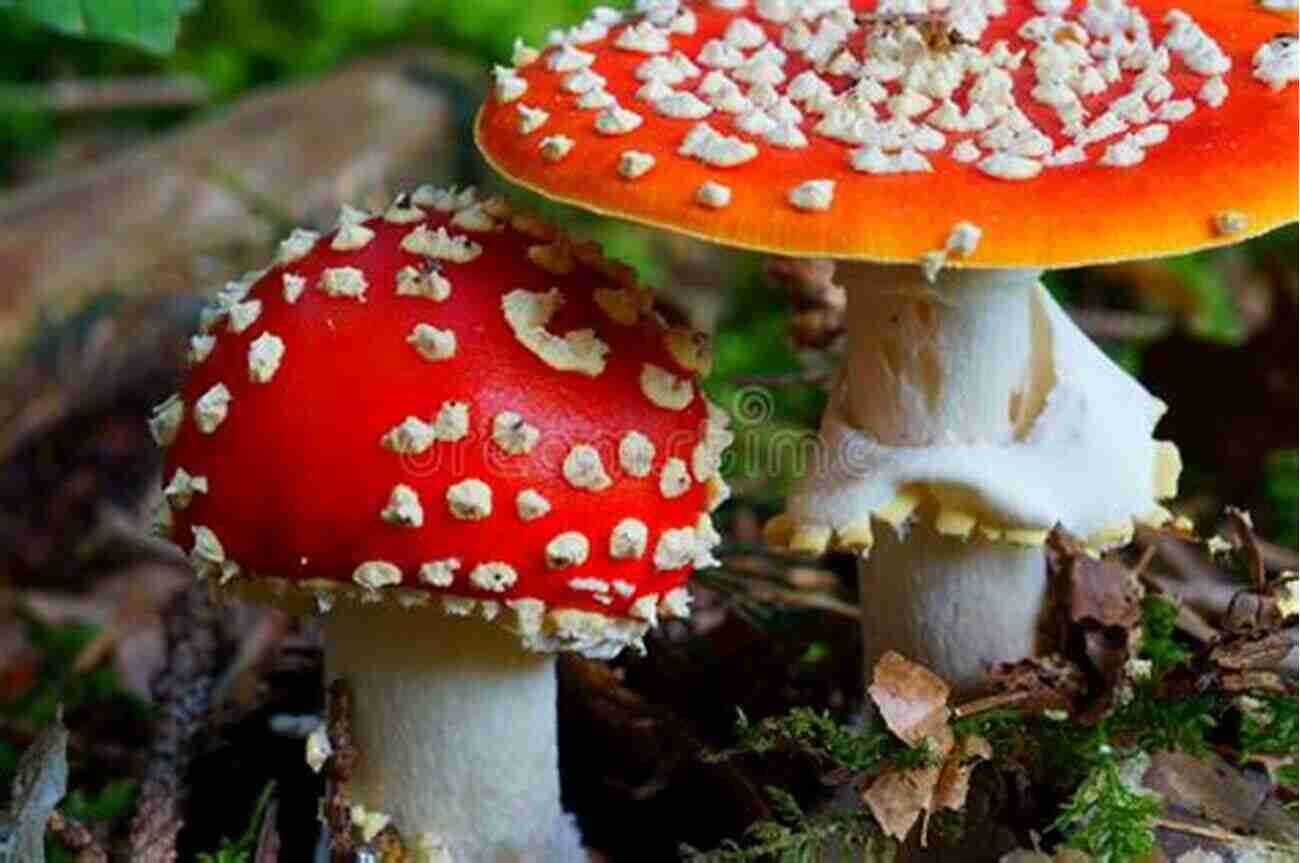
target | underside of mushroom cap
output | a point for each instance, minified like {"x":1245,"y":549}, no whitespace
{"x":1087,"y":462}
{"x":1067,"y":133}
{"x":448,"y":404}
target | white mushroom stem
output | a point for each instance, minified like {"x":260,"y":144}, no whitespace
{"x":974,"y":406}
{"x":956,"y":361}
{"x":956,"y":606}
{"x":941,"y":363}
{"x":456,"y":726}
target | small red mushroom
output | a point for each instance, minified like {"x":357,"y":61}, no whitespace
{"x":448,"y":407}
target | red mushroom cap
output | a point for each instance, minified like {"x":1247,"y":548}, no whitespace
{"x":1035,"y":133}
{"x":448,"y":401}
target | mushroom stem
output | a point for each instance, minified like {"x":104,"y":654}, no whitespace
{"x":456,"y":727}
{"x":942,"y":362}
{"x":957,"y":607}
{"x":963,"y":360}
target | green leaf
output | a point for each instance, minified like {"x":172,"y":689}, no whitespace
{"x":148,"y":24}
{"x":241,"y":850}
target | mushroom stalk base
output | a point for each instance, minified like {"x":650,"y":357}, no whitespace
{"x":456,"y":728}
{"x":957,"y":607}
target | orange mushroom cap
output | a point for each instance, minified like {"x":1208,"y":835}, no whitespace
{"x":813,"y":147}
{"x":447,"y":402}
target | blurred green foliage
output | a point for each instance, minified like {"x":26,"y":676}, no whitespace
{"x":232,"y":45}
{"x":793,"y":836}
{"x":112,"y":802}
{"x":1282,"y":490}
{"x":1270,"y":727}
{"x":149,"y":24}
{"x":55,"y":683}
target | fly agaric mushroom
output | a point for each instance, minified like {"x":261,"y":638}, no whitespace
{"x":448,"y":408}
{"x":945,"y":152}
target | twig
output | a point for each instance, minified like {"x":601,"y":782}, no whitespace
{"x":1239,"y":523}
{"x":113,"y":524}
{"x":1111,"y":325}
{"x":1148,"y":554}
{"x":1219,"y":835}
{"x":268,"y":838}
{"x":990,"y":702}
{"x":77,"y":838}
{"x":613,"y":707}
{"x":259,"y":204}
{"x":107,"y":94}
{"x":183,"y":690}
{"x":254,"y":647}
{"x":812,"y":280}
{"x":1277,"y":557}
{"x":805,"y":599}
{"x":338,"y":771}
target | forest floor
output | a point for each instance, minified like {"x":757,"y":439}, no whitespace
{"x":1165,"y":720}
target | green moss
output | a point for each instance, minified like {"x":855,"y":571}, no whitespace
{"x":793,"y":836}
{"x":1159,"y":619}
{"x":115,"y":800}
{"x":1109,"y":817}
{"x":1270,"y":726}
{"x":819,"y":734}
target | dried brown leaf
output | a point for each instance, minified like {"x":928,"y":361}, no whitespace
{"x":954,"y":778}
{"x":1254,"y":681}
{"x":1210,"y":792}
{"x":819,"y":302}
{"x":811,"y":279}
{"x":912,"y":700}
{"x":1251,"y":612}
{"x":1050,"y":682}
{"x":1109,"y":649}
{"x":1254,"y":653}
{"x":1103,"y":591}
{"x":897,"y":799}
